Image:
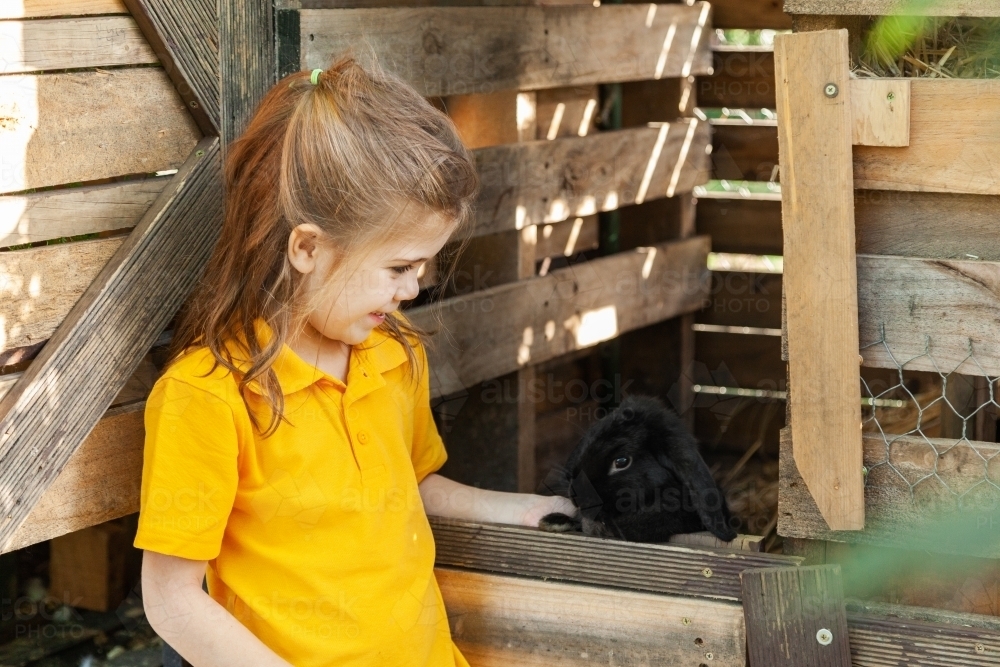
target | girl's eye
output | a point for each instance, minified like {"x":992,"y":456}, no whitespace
{"x":402,"y":269}
{"x":621,"y":463}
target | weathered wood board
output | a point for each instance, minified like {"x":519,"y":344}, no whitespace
{"x":83,"y":126}
{"x":498,"y":621}
{"x":954,"y":142}
{"x":38,"y":8}
{"x":543,"y":181}
{"x":462,"y":50}
{"x":932,"y":225}
{"x":99,"y":483}
{"x":820,"y":288}
{"x":885,"y":7}
{"x":60,"y":213}
{"x":671,"y":569}
{"x":930,"y":517}
{"x":570,"y":308}
{"x":55,"y":44}
{"x":38,"y":286}
{"x":880,"y":109}
{"x":945,"y":307}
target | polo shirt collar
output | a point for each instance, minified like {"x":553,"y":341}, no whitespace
{"x":378,"y":354}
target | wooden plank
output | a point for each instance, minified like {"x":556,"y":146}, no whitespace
{"x":247,"y":63}
{"x":499,"y":621}
{"x":40,"y":285}
{"x":744,"y":153}
{"x":47,"y":44}
{"x":738,"y":225}
{"x":795,"y":616}
{"x":103,"y":338}
{"x":482,"y":120}
{"x":539,"y":182}
{"x":925,"y":224}
{"x":99,"y":483}
{"x":37,"y":8}
{"x":923,"y":305}
{"x":753,"y":15}
{"x":739,"y":80}
{"x":670,"y":569}
{"x":83,"y":126}
{"x":185,"y":37}
{"x":566,"y":112}
{"x":928,"y":518}
{"x":569,"y":309}
{"x":887,"y":642}
{"x":567,"y":238}
{"x":55,"y":214}
{"x":880,"y":110}
{"x":954,"y":142}
{"x":95,"y":567}
{"x":464,"y":50}
{"x":885,"y":7}
{"x":820,"y":283}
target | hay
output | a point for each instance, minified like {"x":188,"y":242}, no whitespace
{"x":934,"y":47}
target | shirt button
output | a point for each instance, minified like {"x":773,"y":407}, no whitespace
{"x":362,"y":437}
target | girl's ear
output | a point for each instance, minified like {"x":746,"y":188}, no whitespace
{"x":302,"y":244}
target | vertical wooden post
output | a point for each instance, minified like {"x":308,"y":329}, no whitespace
{"x":820,"y":271}
{"x":795,"y":616}
{"x":688,"y":217}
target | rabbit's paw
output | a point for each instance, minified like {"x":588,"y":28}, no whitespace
{"x":558,"y":523}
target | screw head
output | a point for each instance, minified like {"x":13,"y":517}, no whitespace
{"x":980,"y":648}
{"x":890,"y":96}
{"x":707,"y":572}
{"x":194,"y":104}
{"x":831,"y":90}
{"x":824,"y":637}
{"x":686,"y":621}
{"x":199,"y":153}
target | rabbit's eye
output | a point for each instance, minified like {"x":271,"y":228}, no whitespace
{"x":621,"y":463}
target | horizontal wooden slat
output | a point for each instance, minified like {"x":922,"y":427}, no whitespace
{"x":67,"y":128}
{"x":38,"y":286}
{"x":99,"y":483}
{"x":498,"y":330}
{"x":926,"y":224}
{"x":55,"y":214}
{"x":568,"y":237}
{"x":537,"y":182}
{"x":460,"y":50}
{"x":501,"y":621}
{"x":954,"y":142}
{"x":23,"y":9}
{"x":878,"y":641}
{"x":672,"y":569}
{"x":885,"y":7}
{"x":929,"y":518}
{"x":929,"y":305}
{"x":49,"y":44}
{"x":566,"y":112}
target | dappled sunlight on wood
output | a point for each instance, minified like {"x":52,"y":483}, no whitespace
{"x":593,"y":326}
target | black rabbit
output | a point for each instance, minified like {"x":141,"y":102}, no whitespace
{"x":637,"y":475}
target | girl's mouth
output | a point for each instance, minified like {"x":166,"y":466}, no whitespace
{"x":378,"y":317}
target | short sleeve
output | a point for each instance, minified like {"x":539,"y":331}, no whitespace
{"x":428,"y":451}
{"x":190,"y":471}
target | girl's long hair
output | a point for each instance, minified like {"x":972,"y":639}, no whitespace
{"x":346,"y":154}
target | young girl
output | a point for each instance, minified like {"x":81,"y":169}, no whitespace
{"x":290,"y":450}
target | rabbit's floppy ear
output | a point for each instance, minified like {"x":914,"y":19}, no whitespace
{"x":681,"y":454}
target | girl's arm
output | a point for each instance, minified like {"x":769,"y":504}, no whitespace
{"x":195,"y":625}
{"x":444,"y":497}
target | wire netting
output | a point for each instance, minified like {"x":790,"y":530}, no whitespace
{"x":931,"y":433}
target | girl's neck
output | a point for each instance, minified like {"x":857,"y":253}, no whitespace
{"x":329,"y":355}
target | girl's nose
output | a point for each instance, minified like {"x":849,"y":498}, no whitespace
{"x":409,"y":287}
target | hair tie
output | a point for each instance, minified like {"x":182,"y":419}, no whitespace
{"x":314,"y":77}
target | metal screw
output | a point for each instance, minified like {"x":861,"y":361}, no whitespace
{"x":199,"y":153}
{"x":709,"y":656}
{"x":686,"y":621}
{"x":824,"y":636}
{"x":890,"y":96}
{"x":831,"y":90}
{"x":194,"y":105}
{"x":864,"y":470}
{"x":707,"y":572}
{"x":980,"y":648}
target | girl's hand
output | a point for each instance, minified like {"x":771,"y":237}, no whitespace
{"x":539,"y":506}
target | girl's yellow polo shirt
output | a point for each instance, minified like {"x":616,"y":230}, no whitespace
{"x":316,"y":537}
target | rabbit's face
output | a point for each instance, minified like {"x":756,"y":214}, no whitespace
{"x":614,"y":469}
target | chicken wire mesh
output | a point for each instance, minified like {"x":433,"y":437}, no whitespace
{"x":931,"y":433}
